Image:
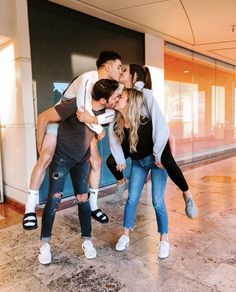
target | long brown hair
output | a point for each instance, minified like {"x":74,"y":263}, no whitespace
{"x":142,"y":73}
{"x":133,"y":114}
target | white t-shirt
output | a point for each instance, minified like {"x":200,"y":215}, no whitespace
{"x":81,"y":88}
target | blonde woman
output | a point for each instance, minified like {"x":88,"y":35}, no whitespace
{"x":134,"y":131}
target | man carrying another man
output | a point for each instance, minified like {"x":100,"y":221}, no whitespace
{"x":72,"y":156}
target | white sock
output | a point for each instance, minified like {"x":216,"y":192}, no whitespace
{"x":93,"y":199}
{"x":32,"y":200}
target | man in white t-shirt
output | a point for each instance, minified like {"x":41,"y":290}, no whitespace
{"x":108,"y":66}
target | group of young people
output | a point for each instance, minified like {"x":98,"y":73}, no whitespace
{"x":67,"y":137}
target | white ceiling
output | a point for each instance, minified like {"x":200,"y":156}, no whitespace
{"x":204,"y":26}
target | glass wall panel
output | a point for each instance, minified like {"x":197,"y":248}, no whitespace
{"x":204,"y":78}
{"x":178,"y":104}
{"x":200,"y":104}
{"x":224,"y":126}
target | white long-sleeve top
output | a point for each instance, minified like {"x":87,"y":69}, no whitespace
{"x":81,"y":88}
{"x":160,"y":129}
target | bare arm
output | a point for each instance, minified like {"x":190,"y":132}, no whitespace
{"x":85,"y":117}
{"x":44,"y":118}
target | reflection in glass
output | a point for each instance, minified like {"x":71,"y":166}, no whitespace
{"x":218,"y":106}
{"x":58,"y":90}
{"x":199,"y":104}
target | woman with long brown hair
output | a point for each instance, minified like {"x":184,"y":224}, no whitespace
{"x":138,"y":76}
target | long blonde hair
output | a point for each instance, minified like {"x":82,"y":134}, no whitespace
{"x":133,"y":114}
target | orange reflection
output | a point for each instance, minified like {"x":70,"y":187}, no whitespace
{"x":199,"y":104}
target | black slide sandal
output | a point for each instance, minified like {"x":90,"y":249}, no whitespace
{"x":102,"y":218}
{"x":31,"y":220}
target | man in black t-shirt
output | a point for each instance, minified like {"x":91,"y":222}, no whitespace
{"x":71,"y":156}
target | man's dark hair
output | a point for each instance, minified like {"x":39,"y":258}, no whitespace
{"x":104,"y":88}
{"x":105,"y":56}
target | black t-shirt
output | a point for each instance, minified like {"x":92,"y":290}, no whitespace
{"x":145,"y":142}
{"x":74,"y":137}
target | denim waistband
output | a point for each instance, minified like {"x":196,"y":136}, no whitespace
{"x":149,"y":158}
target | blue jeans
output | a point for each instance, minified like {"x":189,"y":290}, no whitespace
{"x":58,"y":171}
{"x":139,"y":171}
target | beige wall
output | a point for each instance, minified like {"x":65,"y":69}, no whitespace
{"x":7,"y":17}
{"x":154,"y":59}
{"x":16,"y":100}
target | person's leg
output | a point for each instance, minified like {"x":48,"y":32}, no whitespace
{"x":57,"y":175}
{"x":111,"y":164}
{"x":159,"y":178}
{"x":94,"y":181}
{"x":121,"y":181}
{"x":138,"y":175}
{"x":178,"y":178}
{"x":172,"y":144}
{"x":79,"y":177}
{"x":37,"y":176}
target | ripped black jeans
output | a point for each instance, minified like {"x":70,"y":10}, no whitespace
{"x":58,"y":171}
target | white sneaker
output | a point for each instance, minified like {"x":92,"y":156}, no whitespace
{"x":190,"y":208}
{"x":122,"y":243}
{"x":164,"y":249}
{"x":119,"y":193}
{"x":45,"y":256}
{"x":89,"y":251}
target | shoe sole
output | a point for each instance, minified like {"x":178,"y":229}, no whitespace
{"x":45,"y":263}
{"x":29,"y":227}
{"x":102,"y":222}
{"x":126,"y":247}
{"x":162,"y":258}
{"x":188,"y":215}
{"x":90,"y":258}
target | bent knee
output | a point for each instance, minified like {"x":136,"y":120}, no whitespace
{"x":53,"y":201}
{"x":110,"y":161}
{"x":57,"y":195}
{"x":159,"y":205}
{"x":132,"y":201}
{"x":82,"y":198}
{"x":96,"y":162}
{"x":45,"y":158}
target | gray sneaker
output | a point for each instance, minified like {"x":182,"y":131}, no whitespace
{"x":190,"y":208}
{"x":119,"y":193}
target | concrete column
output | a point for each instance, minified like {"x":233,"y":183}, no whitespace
{"x":16,"y":101}
{"x":154,"y":59}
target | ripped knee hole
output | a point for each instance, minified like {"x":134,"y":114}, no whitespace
{"x":81,"y":198}
{"x":57,"y":195}
{"x":56,"y":175}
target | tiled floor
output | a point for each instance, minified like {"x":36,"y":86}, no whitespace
{"x":203,"y":251}
{"x":9,"y":215}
